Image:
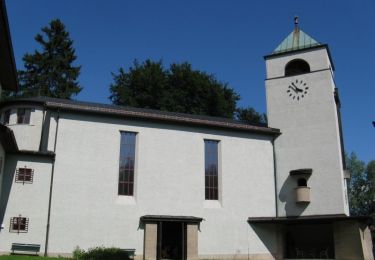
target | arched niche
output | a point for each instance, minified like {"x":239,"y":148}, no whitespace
{"x":297,"y":66}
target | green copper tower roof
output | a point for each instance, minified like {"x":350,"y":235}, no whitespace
{"x":296,"y":40}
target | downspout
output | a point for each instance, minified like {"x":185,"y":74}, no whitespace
{"x":51,"y":185}
{"x":275,"y":177}
{"x":42,"y":131}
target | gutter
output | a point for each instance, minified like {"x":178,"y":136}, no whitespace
{"x":51,"y":187}
{"x":43,"y":123}
{"x":275,"y":178}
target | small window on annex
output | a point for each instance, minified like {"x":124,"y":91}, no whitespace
{"x":23,"y":115}
{"x":211,"y":169}
{"x":127,"y":162}
{"x":6,"y":116}
{"x":19,"y":224}
{"x":297,"y":66}
{"x":24,"y":175}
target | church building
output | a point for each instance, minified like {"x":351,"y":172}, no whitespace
{"x":180,"y":186}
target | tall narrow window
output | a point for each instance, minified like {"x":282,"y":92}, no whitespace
{"x":127,"y":160}
{"x":6,"y":118}
{"x":23,"y":115}
{"x":211,"y":169}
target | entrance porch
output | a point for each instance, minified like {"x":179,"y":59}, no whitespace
{"x":170,"y":237}
{"x":320,"y":237}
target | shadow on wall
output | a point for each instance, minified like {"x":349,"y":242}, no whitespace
{"x":6,"y":186}
{"x":10,"y":166}
{"x":288,"y":196}
{"x":271,"y":237}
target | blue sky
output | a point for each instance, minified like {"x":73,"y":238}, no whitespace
{"x":224,"y":38}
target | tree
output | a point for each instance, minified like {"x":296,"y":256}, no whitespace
{"x":50,"y":72}
{"x":361,"y":187}
{"x":250,"y":115}
{"x":179,"y":88}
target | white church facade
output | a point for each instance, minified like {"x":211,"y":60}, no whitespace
{"x":179,"y":186}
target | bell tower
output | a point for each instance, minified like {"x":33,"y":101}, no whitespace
{"x":302,"y":101}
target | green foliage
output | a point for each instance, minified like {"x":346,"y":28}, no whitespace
{"x":361,"y":186}
{"x":28,"y":257}
{"x":100,"y":253}
{"x":78,"y":253}
{"x":179,"y":88}
{"x":49,"y":72}
{"x":250,"y":115}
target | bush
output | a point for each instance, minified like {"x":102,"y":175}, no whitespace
{"x":100,"y":253}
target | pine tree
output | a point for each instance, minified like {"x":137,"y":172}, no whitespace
{"x":50,"y":72}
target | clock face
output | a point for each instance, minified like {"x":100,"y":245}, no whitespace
{"x":297,"y":89}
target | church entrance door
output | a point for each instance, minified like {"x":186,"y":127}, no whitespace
{"x":171,"y":240}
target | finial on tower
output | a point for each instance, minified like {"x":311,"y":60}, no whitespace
{"x":296,"y":22}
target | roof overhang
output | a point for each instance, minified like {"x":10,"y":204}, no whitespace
{"x":9,"y":144}
{"x":168,"y":218}
{"x":307,"y":219}
{"x":8,"y":71}
{"x":299,"y":172}
{"x":47,"y":154}
{"x":143,"y":114}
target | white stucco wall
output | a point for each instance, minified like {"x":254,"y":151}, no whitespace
{"x":318,"y":59}
{"x":86,"y":210}
{"x":310,"y":135}
{"x":27,"y":135}
{"x":29,"y":200}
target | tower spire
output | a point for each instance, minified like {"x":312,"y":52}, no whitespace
{"x":296,"y":28}
{"x":296,"y":32}
{"x":296,"y":40}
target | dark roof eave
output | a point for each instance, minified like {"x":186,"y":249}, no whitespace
{"x":135,"y":113}
{"x":168,"y":218}
{"x":305,"y":219}
{"x":167,"y":118}
{"x":272,"y":55}
{"x":47,"y":154}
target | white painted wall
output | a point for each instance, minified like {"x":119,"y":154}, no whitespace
{"x":29,"y":200}
{"x":86,"y":210}
{"x":27,"y":135}
{"x":310,"y":135}
{"x":318,"y":59}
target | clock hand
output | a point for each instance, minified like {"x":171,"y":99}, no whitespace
{"x":293,"y":88}
{"x":298,"y":89}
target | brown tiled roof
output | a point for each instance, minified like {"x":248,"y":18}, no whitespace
{"x":148,"y":114}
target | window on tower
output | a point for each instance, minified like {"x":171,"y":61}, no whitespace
{"x":295,"y":67}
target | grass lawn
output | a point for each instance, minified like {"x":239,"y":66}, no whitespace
{"x":26,"y":257}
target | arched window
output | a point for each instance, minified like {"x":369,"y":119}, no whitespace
{"x":302,"y":182}
{"x":295,"y":67}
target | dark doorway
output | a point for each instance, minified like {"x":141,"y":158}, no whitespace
{"x":309,"y":241}
{"x":171,"y":240}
